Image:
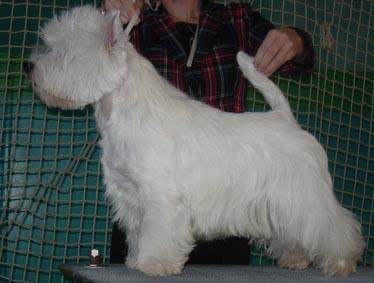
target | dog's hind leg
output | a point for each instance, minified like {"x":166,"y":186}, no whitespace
{"x":341,"y":242}
{"x":327,"y":235}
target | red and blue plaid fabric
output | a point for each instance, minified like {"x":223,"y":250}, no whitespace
{"x":214,"y":76}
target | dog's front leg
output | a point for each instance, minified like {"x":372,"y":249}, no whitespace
{"x":165,"y":237}
{"x":132,"y":243}
{"x":127,"y":209}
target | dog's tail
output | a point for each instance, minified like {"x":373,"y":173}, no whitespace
{"x":273,"y":95}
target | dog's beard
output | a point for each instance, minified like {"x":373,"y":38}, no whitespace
{"x":55,"y":101}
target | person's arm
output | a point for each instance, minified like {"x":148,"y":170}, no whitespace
{"x":288,"y":49}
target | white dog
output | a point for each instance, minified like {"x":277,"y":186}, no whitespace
{"x":177,"y":170}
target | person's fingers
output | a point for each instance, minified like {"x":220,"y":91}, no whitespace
{"x":124,"y":17}
{"x":138,"y":5}
{"x":294,"y":39}
{"x":112,"y":5}
{"x":278,"y":60}
{"x":268,"y":41}
{"x":278,"y":47}
{"x":127,"y":8}
{"x":272,"y":45}
{"x":132,"y":7}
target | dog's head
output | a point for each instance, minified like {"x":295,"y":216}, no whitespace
{"x":83,"y":58}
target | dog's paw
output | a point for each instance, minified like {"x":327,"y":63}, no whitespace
{"x":293,"y":263}
{"x":157,"y":268}
{"x":294,"y":260}
{"x":131,"y":262}
{"x":342,"y":268}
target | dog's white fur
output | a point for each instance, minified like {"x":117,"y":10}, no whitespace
{"x":177,"y":170}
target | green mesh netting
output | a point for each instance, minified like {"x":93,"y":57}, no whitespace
{"x":52,"y":204}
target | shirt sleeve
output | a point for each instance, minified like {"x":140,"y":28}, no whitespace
{"x":304,"y":62}
{"x":300,"y":64}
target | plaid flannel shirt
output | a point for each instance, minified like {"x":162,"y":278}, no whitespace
{"x":214,"y":76}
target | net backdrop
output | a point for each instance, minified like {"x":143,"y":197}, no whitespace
{"x":52,"y":205}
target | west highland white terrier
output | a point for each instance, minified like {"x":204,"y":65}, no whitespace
{"x":177,"y":170}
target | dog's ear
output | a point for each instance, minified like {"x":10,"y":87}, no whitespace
{"x":113,"y":28}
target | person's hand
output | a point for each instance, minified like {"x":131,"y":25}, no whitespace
{"x":126,"y":8}
{"x":278,"y":47}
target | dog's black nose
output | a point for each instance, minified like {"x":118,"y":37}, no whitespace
{"x":27,"y":67}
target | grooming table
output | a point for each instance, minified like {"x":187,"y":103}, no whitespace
{"x":118,"y":273}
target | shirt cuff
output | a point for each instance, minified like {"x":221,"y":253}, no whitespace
{"x":304,"y":60}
